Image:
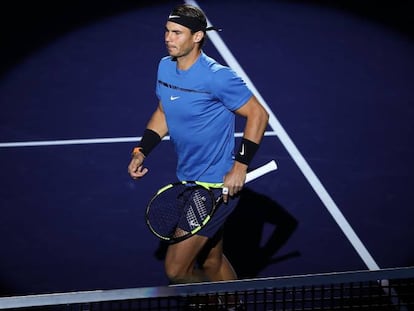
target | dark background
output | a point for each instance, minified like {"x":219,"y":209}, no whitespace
{"x":338,"y":75}
{"x":27,"y":25}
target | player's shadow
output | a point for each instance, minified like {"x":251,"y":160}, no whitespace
{"x":255,"y":232}
{"x":249,"y":247}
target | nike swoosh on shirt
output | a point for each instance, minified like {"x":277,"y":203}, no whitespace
{"x":174,"y":97}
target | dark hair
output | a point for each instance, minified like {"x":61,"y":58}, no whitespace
{"x":194,"y":12}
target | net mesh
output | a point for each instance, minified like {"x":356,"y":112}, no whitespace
{"x":389,"y":289}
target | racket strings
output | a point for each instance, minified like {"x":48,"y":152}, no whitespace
{"x":196,"y":211}
{"x":176,"y":212}
{"x":165,"y":210}
{"x":180,"y":210}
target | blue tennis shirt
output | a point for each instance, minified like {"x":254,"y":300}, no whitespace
{"x":198,"y":104}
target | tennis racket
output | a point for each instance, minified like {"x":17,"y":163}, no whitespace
{"x":181,"y":209}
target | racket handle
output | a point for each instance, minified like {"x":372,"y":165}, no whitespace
{"x":260,"y":171}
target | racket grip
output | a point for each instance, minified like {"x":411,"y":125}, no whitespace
{"x":260,"y":171}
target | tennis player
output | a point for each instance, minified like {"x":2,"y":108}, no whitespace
{"x":198,"y":102}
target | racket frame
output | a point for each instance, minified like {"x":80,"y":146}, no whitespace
{"x":252,"y":175}
{"x":195,"y":184}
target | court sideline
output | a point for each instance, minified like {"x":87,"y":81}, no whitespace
{"x":350,"y":146}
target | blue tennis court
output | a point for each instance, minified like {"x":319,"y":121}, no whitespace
{"x":338,"y":86}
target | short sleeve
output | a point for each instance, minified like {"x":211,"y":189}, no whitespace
{"x":230,"y":89}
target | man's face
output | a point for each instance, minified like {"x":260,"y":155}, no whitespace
{"x":179,"y":39}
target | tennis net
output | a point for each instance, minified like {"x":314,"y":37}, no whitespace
{"x":384,"y":289}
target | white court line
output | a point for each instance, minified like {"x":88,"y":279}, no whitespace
{"x":278,"y":129}
{"x":90,"y":141}
{"x":294,"y":153}
{"x":303,"y":165}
